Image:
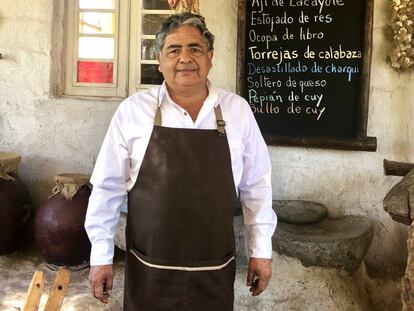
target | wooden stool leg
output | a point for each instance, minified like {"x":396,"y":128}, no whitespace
{"x":58,"y":290}
{"x":35,"y":292}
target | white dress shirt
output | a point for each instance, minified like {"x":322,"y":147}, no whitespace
{"x":126,"y":141}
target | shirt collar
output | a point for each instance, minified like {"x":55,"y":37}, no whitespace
{"x":212,"y":98}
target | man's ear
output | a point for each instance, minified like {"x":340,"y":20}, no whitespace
{"x":159,"y":61}
{"x":210,"y":56}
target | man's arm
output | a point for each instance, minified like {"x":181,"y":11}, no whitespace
{"x":256,"y":196}
{"x":109,"y":190}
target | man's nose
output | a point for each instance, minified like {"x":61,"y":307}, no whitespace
{"x":185,"y":56}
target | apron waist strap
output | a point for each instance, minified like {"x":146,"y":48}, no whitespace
{"x":181,"y":268}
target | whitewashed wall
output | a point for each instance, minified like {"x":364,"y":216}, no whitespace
{"x":55,"y":134}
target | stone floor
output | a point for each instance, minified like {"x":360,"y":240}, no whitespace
{"x":16,"y":272}
{"x":293,"y":288}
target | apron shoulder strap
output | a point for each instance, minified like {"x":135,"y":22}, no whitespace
{"x":158,"y":118}
{"x":221,"y":124}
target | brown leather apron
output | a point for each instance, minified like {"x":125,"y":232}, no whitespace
{"x":180,"y":243}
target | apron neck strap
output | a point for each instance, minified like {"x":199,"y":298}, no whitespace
{"x":221,"y":124}
{"x":158,"y":118}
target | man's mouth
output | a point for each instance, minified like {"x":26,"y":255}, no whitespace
{"x":186,"y":70}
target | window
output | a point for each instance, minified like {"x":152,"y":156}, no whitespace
{"x":110,"y":48}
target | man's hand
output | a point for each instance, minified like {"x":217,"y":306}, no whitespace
{"x":258,"y":275}
{"x":101,"y":280}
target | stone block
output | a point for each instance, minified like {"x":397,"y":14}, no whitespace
{"x":399,"y":201}
{"x":333,"y":242}
{"x":407,"y":282}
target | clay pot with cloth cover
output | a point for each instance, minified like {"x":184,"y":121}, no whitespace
{"x":59,"y":229}
{"x":15,"y":205}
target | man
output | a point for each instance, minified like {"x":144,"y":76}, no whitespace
{"x":183,"y":152}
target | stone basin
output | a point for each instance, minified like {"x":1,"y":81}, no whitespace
{"x":332,"y":242}
{"x":299,"y":211}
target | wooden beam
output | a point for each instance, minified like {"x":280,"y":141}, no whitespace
{"x":397,"y":168}
{"x":241,"y":43}
{"x":35,"y":292}
{"x":58,"y":290}
{"x":366,"y":144}
{"x":363,"y":106}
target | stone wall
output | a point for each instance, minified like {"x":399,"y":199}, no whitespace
{"x":61,"y":134}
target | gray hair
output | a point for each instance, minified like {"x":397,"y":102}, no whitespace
{"x":177,"y":20}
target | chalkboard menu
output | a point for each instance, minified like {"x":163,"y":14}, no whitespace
{"x":304,"y":68}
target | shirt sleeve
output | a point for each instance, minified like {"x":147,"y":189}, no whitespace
{"x":255,"y":192}
{"x":109,"y":180}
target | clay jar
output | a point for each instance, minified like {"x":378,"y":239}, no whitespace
{"x":59,"y":223}
{"x":15,"y":205}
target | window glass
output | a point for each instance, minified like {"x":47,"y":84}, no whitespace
{"x":95,"y":72}
{"x":96,"y":48}
{"x":151,"y":23}
{"x":150,"y":74}
{"x":96,"y":23}
{"x":148,"y":51}
{"x":97,"y":4}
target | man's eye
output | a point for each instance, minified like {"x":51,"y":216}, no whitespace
{"x":173,"y":52}
{"x":196,"y":50}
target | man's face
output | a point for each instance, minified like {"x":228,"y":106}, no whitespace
{"x":185,"y":59}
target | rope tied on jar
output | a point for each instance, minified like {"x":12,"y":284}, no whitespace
{"x":181,"y":6}
{"x":69,"y":184}
{"x":9,"y":162}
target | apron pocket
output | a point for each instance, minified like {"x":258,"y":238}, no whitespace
{"x":149,"y":289}
{"x":202,"y":285}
